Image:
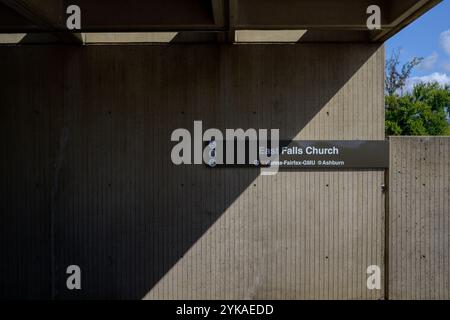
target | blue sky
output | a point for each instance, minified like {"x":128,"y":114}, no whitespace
{"x":427,"y":37}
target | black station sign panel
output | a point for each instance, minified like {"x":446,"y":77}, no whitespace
{"x":334,"y":154}
{"x":314,"y":154}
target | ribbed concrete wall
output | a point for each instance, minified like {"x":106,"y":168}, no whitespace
{"x":89,"y":128}
{"x":419,"y":211}
{"x":30,"y":101}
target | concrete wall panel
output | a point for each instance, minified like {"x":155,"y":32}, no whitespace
{"x":139,"y":226}
{"x":419,"y":218}
{"x":31,"y":100}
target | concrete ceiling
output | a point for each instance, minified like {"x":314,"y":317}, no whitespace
{"x":109,"y":21}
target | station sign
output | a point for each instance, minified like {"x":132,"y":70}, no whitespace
{"x":312,"y":154}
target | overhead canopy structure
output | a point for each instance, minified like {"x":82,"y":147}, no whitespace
{"x":109,"y":21}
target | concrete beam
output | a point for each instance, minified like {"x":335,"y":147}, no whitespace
{"x":48,"y":15}
{"x":11,"y":38}
{"x":218,"y":9}
{"x":150,"y":16}
{"x":232,"y":19}
{"x":305,"y":14}
{"x":402,"y":16}
{"x":327,"y":14}
{"x":268,"y":36}
{"x":220,"y":17}
{"x":130,"y":37}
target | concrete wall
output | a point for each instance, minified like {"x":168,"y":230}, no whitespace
{"x":419,"y":218}
{"x":88,"y":180}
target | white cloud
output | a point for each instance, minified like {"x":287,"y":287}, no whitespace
{"x":429,"y":62}
{"x":441,"y":78}
{"x":444,"y":39}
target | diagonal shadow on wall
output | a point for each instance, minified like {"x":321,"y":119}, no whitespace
{"x":94,"y":129}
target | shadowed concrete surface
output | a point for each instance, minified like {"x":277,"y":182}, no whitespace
{"x":210,"y":20}
{"x":87,"y":177}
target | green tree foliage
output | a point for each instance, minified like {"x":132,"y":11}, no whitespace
{"x":424,"y":111}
